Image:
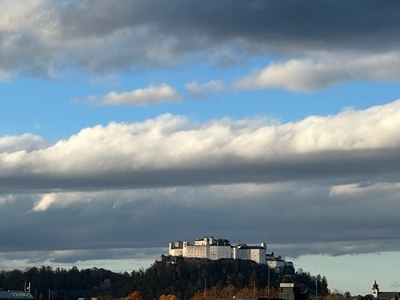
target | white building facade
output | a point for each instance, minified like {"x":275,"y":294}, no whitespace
{"x":214,"y":249}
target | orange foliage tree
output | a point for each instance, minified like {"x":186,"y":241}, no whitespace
{"x":248,"y":292}
{"x":168,"y":297}
{"x":136,"y":295}
{"x":229,"y":291}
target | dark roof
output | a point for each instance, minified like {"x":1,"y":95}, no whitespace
{"x":15,"y":295}
{"x":310,"y":289}
{"x":250,"y":247}
{"x":388,"y":295}
{"x":287,"y":279}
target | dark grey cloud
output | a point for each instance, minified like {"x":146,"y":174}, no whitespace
{"x":339,"y":166}
{"x":102,"y":36}
{"x":71,"y":257}
{"x":310,"y":24}
{"x":295,"y":219}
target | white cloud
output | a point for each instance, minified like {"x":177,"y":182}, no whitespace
{"x":149,"y":95}
{"x":362,"y":191}
{"x":4,"y":75}
{"x":63,"y":199}
{"x":200,"y":90}
{"x":310,"y":76}
{"x":19,"y":14}
{"x":4,"y":199}
{"x":175,"y":142}
{"x":212,"y":196}
{"x":26,"y":142}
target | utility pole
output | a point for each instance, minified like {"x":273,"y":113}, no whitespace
{"x":316,"y":284}
{"x":205,"y":289}
{"x":269,"y":279}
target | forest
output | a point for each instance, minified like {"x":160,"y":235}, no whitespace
{"x":181,"y":279}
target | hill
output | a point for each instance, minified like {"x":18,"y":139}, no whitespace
{"x":182,"y":278}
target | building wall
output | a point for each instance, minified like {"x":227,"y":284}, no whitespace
{"x":175,"y":248}
{"x":196,"y":251}
{"x":243,"y":253}
{"x":176,"y":252}
{"x":276,"y":263}
{"x":204,"y":241}
{"x":234,"y":252}
{"x":255,"y":254}
{"x":258,"y":255}
{"x":217,"y":252}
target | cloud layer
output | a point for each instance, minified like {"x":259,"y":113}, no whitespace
{"x":305,"y":76}
{"x":95,"y":188}
{"x":173,"y":151}
{"x":45,"y":37}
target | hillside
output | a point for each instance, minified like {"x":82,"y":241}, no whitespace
{"x":181,"y":278}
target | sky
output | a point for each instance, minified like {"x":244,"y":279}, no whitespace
{"x":129,"y":124}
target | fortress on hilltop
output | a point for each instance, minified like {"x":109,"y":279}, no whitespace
{"x":214,"y":249}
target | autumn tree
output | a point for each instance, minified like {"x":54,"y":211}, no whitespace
{"x":168,"y":297}
{"x":227,"y":291}
{"x":136,"y":295}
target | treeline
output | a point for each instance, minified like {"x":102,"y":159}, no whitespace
{"x":312,"y":283}
{"x":66,"y":284}
{"x":183,"y":279}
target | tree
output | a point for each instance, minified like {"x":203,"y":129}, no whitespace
{"x":168,"y":297}
{"x":136,"y":295}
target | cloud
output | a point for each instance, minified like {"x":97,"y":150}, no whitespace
{"x":311,"y":221}
{"x":149,"y":95}
{"x":183,"y":196}
{"x":4,"y":75}
{"x":46,"y":37}
{"x":26,"y":142}
{"x":175,"y":151}
{"x":197,"y":90}
{"x":117,"y":260}
{"x":306,"y":76}
{"x":5,"y":199}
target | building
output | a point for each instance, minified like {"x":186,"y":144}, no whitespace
{"x":277,"y":263}
{"x":290,"y":291}
{"x":176,"y":248}
{"x":214,"y":249}
{"x":16,"y":295}
{"x":254,"y":253}
{"x":377,"y":294}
